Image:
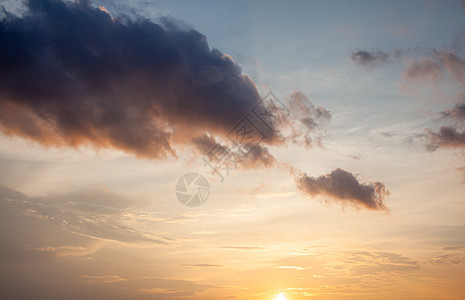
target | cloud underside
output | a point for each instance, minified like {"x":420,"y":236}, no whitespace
{"x":71,"y":75}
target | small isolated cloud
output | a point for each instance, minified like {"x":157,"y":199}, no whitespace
{"x":445,"y":137}
{"x":451,"y":136}
{"x":342,"y":186}
{"x":434,"y":66}
{"x":367,"y":58}
{"x":378,"y":57}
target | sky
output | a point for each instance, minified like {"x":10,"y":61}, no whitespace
{"x":265,"y":150}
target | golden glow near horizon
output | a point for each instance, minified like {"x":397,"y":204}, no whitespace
{"x":280,"y":296}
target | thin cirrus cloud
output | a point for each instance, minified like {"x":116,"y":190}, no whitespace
{"x":71,"y":74}
{"x":86,"y":218}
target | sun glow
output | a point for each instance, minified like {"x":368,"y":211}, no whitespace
{"x":280,"y":296}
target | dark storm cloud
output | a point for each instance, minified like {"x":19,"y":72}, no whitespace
{"x":70,"y":74}
{"x":343,"y":186}
{"x":366,"y":58}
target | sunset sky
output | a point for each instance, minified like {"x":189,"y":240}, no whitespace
{"x":342,"y":125}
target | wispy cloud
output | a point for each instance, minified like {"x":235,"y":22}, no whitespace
{"x":72,"y":231}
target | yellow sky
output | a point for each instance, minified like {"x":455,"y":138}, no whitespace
{"x":117,"y":229}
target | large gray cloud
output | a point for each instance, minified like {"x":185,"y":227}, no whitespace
{"x":70,"y":74}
